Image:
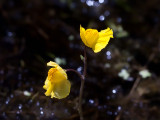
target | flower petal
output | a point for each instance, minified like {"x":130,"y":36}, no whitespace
{"x":56,"y":66}
{"x":46,"y":84}
{"x":63,"y":72}
{"x":49,"y":90}
{"x":52,"y":94}
{"x":56,"y":75}
{"x":82,"y":34}
{"x":62,"y":89}
{"x":52,"y":64}
{"x":104,"y":37}
{"x":91,"y":36}
{"x":107,"y":32}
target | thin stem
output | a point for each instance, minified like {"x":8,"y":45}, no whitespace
{"x":82,"y":85}
{"x":85,"y":63}
{"x":72,"y":70}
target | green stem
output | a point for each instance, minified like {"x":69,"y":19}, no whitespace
{"x":72,"y":70}
{"x":82,"y":83}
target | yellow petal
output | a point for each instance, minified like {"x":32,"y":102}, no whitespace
{"x":104,"y":37}
{"x":102,"y":43}
{"x":55,"y":65}
{"x":62,"y":72}
{"x":56,"y":75}
{"x":91,"y":36}
{"x":107,"y":32}
{"x":61,"y":89}
{"x":52,"y":64}
{"x":82,"y":34}
{"x":46,"y":84}
{"x":49,"y":90}
{"x":45,"y":87}
{"x":52,"y":94}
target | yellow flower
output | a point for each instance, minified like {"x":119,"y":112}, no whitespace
{"x":94,"y":39}
{"x":57,"y":83}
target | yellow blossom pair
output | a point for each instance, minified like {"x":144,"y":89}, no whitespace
{"x":57,"y":83}
{"x":94,"y":39}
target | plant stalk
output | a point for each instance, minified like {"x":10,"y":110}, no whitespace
{"x":82,"y":85}
{"x":82,"y":77}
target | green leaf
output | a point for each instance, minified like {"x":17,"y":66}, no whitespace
{"x":82,"y":58}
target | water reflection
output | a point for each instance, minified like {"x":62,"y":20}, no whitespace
{"x":41,"y":108}
{"x":102,"y":107}
{"x":11,"y":96}
{"x":115,"y":113}
{"x":109,"y":57}
{"x":107,"y":13}
{"x":20,"y":106}
{"x":109,"y":113}
{"x":90,"y":2}
{"x":96,"y":4}
{"x":108,"y":54}
{"x":101,"y":1}
{"x":130,"y":79}
{"x":91,"y":101}
{"x":10,"y":34}
{"x":7,"y":101}
{"x":18,"y":112}
{"x":108,"y":97}
{"x":37,"y":103}
{"x":31,"y":89}
{"x":41,"y":112}
{"x":119,"y":19}
{"x":119,"y":108}
{"x":52,"y":114}
{"x":114,"y":91}
{"x":79,"y":69}
{"x":30,"y":101}
{"x":101,"y":17}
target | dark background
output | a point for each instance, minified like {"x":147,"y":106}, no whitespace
{"x":34,"y":32}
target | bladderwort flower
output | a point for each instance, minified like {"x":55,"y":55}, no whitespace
{"x":94,"y":39}
{"x":57,"y":83}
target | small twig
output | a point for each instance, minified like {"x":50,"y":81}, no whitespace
{"x":134,"y":86}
